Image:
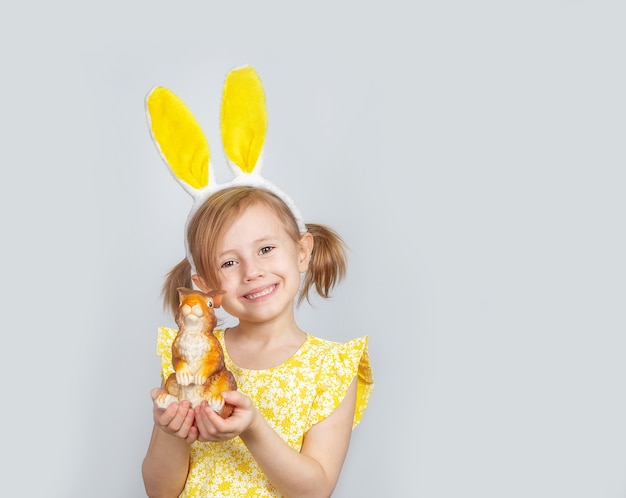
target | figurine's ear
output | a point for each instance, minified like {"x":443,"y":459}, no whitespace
{"x":182,"y":292}
{"x":199,"y":283}
{"x":243,"y":120}
{"x":217,"y":298}
{"x":179,"y":139}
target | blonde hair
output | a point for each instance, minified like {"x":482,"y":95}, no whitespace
{"x":328,"y":259}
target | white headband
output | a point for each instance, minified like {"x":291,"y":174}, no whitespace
{"x":185,"y":150}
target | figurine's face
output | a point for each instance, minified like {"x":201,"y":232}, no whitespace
{"x":260,"y":266}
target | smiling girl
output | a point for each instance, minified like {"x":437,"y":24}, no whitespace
{"x":298,"y":397}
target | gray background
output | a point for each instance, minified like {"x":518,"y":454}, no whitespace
{"x":471,"y":153}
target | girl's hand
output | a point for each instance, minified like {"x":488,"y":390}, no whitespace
{"x":212,"y":427}
{"x":176,"y":420}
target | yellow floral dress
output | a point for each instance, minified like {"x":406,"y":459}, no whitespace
{"x":292,"y":397}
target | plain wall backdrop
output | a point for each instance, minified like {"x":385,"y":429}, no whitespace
{"x":472,"y":154}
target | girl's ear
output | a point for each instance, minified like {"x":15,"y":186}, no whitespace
{"x":305,"y":249}
{"x":199,"y":282}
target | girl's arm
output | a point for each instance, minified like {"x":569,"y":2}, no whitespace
{"x":312,"y":472}
{"x":166,"y":463}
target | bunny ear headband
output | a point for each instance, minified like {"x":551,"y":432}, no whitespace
{"x":185,"y":149}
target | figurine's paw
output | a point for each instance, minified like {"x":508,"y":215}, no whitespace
{"x":198,"y":379}
{"x":184,"y":378}
{"x":216,"y":403}
{"x":187,"y":379}
{"x":164,"y":400}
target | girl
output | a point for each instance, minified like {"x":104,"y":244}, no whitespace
{"x":298,"y":397}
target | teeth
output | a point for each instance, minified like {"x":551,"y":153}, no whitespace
{"x":264,"y":292}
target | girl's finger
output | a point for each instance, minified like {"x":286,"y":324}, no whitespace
{"x":186,"y":425}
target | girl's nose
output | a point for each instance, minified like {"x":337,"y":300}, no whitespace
{"x":252,"y":271}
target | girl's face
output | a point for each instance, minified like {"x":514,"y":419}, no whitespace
{"x":260,"y":266}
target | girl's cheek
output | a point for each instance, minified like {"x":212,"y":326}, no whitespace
{"x":226,"y":282}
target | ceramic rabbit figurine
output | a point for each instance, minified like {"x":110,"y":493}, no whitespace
{"x":197,"y":356}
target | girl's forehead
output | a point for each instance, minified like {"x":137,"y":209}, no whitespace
{"x":257,"y":220}
{"x":259,"y":213}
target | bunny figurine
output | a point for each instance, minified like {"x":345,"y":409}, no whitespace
{"x":197,"y":356}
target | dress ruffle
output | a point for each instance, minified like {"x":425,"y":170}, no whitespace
{"x":165,"y":338}
{"x":339,"y":367}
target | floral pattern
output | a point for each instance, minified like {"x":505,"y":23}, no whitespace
{"x":292,"y":397}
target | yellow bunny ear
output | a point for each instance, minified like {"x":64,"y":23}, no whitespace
{"x":243,"y":119}
{"x":179,"y":138}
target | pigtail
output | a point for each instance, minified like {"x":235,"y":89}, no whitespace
{"x":328,"y":262}
{"x":179,"y":276}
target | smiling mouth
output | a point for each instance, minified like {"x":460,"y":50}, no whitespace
{"x":264,"y":292}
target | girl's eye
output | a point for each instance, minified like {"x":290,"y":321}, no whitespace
{"x":266,"y":249}
{"x":228,"y":264}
